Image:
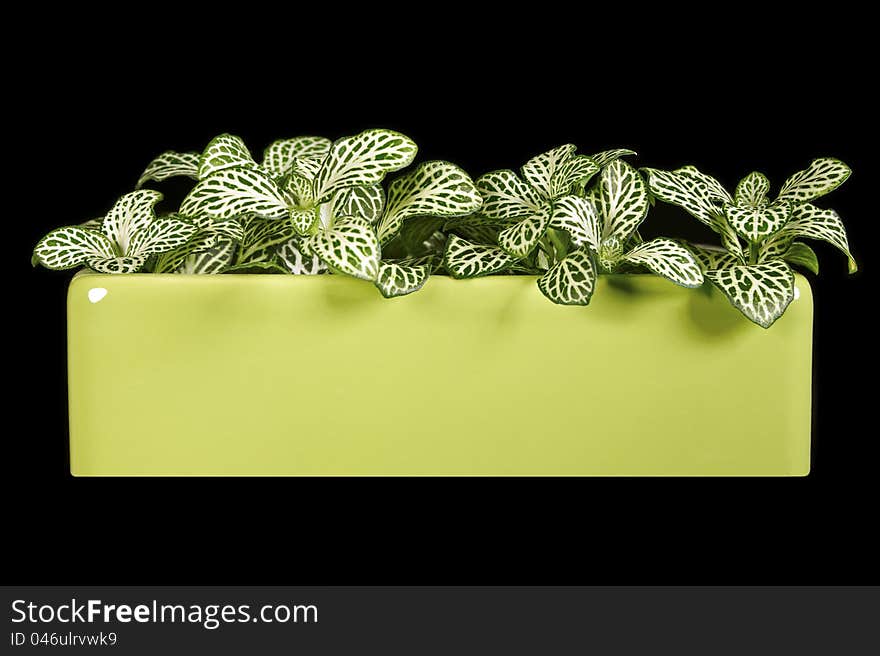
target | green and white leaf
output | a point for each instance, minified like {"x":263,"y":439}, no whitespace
{"x":605,"y":157}
{"x":463,"y":259}
{"x":131,"y":214}
{"x":350,"y":247}
{"x":541,"y":169}
{"x":281,"y":155}
{"x":363,"y":160}
{"x":290,"y":254}
{"x":116,"y":265}
{"x":752,"y":190}
{"x":521,"y":238}
{"x":809,"y":222}
{"x":708,"y":186}
{"x":307,"y":167}
{"x":623,"y":200}
{"x":756,"y":223}
{"x":211,"y":261}
{"x":802,"y":255}
{"x":397,"y":279}
{"x":170,"y":164}
{"x":72,"y":246}
{"x":223,"y":152}
{"x":436,"y":188}
{"x":233,"y":192}
{"x":760,"y":291}
{"x":713,"y":257}
{"x":269,"y":266}
{"x":822,"y":176}
{"x":668,"y":259}
{"x":570,"y":281}
{"x":577,"y":170}
{"x":172,"y":260}
{"x":578,"y":217}
{"x":162,"y":235}
{"x":506,"y":196}
{"x":304,"y":220}
{"x":231,"y":228}
{"x":363,"y":202}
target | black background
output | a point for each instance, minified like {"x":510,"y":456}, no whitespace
{"x":485,"y":95}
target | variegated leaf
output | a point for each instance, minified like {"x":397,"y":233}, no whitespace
{"x":463,"y":259}
{"x":506,"y":196}
{"x":712,"y":257}
{"x":436,"y":188}
{"x":623,"y":200}
{"x":350,"y":247}
{"x":822,"y":176}
{"x":212,"y":261}
{"x":708,"y":186}
{"x":270,"y":266}
{"x":474,"y":228}
{"x":809,"y":222}
{"x":296,"y":262}
{"x":172,"y":260}
{"x":116,"y":265}
{"x":262,"y":238}
{"x":760,"y":291}
{"x":395,"y":279}
{"x":363,"y":160}
{"x":304,"y":220}
{"x":521,"y":238}
{"x":224,"y":151}
{"x":605,"y":158}
{"x":756,"y":223}
{"x":73,"y":246}
{"x":233,"y":192}
{"x":224,"y":227}
{"x":541,"y":169}
{"x":668,"y":259}
{"x":131,"y":214}
{"x":577,"y":170}
{"x":168,"y":165}
{"x":162,"y":235}
{"x":307,"y":167}
{"x":423,"y":234}
{"x":802,"y":255}
{"x":578,"y":217}
{"x":752,"y":190}
{"x":366,"y":203}
{"x":281,"y":155}
{"x":570,"y":281}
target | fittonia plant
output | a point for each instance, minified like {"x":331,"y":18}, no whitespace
{"x":315,"y":206}
{"x":759,"y":237}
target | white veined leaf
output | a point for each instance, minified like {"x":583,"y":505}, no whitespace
{"x":709,"y":186}
{"x":172,"y":260}
{"x":66,"y":248}
{"x":668,"y":259}
{"x":756,"y":223}
{"x":822,"y":176}
{"x":570,"y":281}
{"x":131,"y":214}
{"x":303,"y":221}
{"x":577,"y":170}
{"x":262,"y":238}
{"x":463,"y":259}
{"x":810,"y":222}
{"x":605,"y":157}
{"x":396,"y":279}
{"x":366,"y":203}
{"x":521,"y":238}
{"x":297,"y":190}
{"x":541,"y":169}
{"x":114,"y":265}
{"x":802,"y":255}
{"x":298,"y":263}
{"x":623,"y":200}
{"x":436,"y":188}
{"x":362,"y":160}
{"x":760,"y":291}
{"x":307,"y":167}
{"x":752,"y":190}
{"x":225,"y":151}
{"x":506,"y":196}
{"x":212,"y":261}
{"x":224,"y":227}
{"x":162,"y":235}
{"x":269,"y":266}
{"x":579,"y":218}
{"x":168,"y":165}
{"x":712,"y":257}
{"x":280,"y":156}
{"x":234,"y":192}
{"x":350,"y":247}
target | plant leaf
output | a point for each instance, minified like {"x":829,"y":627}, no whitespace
{"x":364,"y":202}
{"x":752,"y":190}
{"x":131,"y":214}
{"x":350,"y":247}
{"x":72,"y":246}
{"x":256,"y":267}
{"x":396,"y":279}
{"x":756,"y":223}
{"x":577,"y":170}
{"x":506,"y":196}
{"x":570,"y":281}
{"x":713,"y":257}
{"x":802,"y":255}
{"x":281,"y":155}
{"x":232,"y":192}
{"x":363,"y":160}
{"x":760,"y":291}
{"x":668,"y":259}
{"x":296,"y":262}
{"x":579,"y":218}
{"x":605,"y":157}
{"x":262,"y":238}
{"x":822,"y":176}
{"x":224,"y":227}
{"x":436,"y":188}
{"x":162,"y":235}
{"x":168,"y":165}
{"x":463,"y":259}
{"x":623,"y":200}
{"x":810,"y":222}
{"x":541,"y":169}
{"x":223,"y":152}
{"x":708,"y":186}
{"x":521,"y":238}
{"x":172,"y":260}
{"x":303,"y":220}
{"x":116,"y":265}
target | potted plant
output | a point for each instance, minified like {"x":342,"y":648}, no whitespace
{"x":173,"y":371}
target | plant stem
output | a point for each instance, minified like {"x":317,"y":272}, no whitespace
{"x":753,"y":252}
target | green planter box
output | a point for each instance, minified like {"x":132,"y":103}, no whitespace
{"x":313,"y":375}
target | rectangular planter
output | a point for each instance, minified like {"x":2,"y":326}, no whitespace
{"x":307,"y":375}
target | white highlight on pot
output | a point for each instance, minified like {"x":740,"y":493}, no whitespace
{"x":96,"y":294}
{"x":797,"y":292}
